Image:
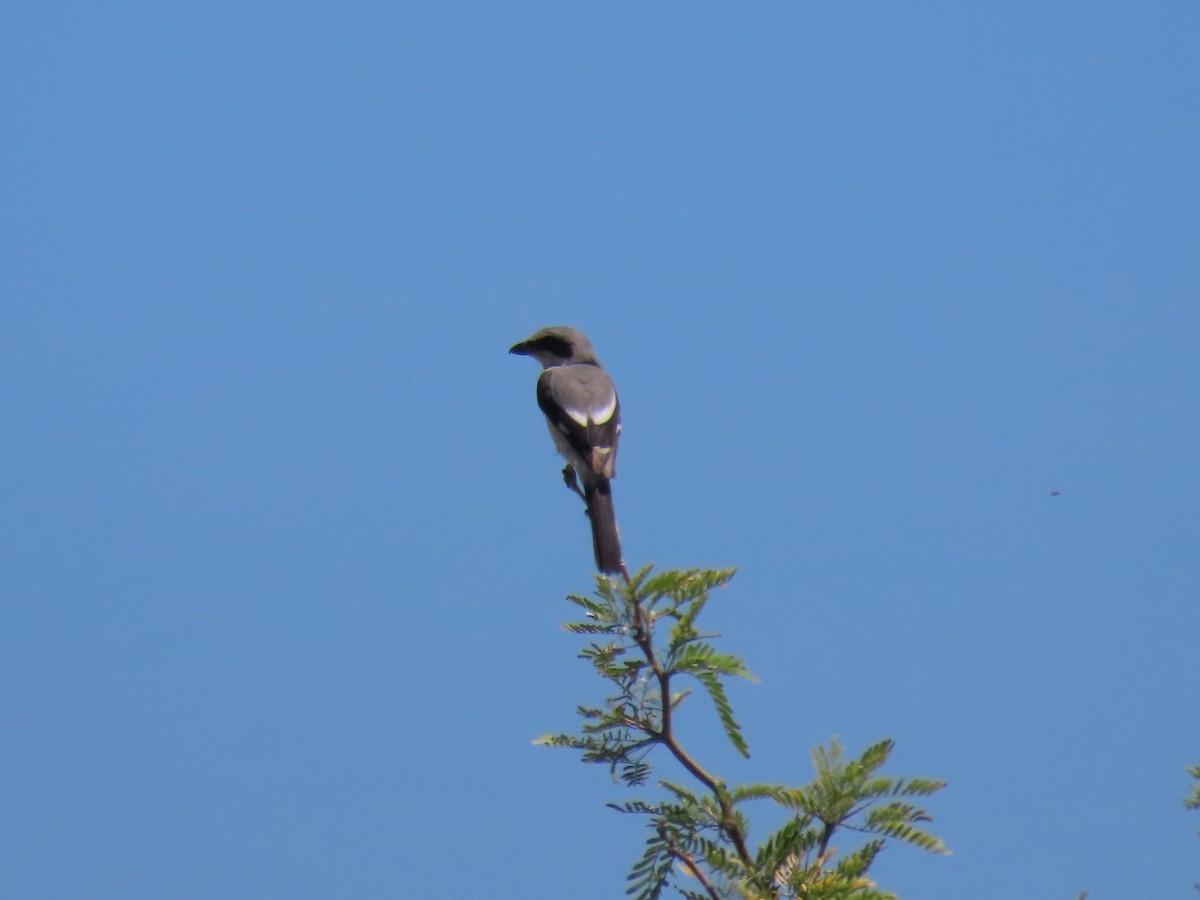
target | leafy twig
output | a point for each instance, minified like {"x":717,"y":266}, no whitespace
{"x":703,"y":832}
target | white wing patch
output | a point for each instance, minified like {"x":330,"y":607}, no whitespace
{"x":607,"y":413}
{"x":597,"y":416}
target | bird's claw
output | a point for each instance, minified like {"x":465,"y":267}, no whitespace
{"x":572,"y":482}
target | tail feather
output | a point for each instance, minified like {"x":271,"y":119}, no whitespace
{"x":606,"y":544}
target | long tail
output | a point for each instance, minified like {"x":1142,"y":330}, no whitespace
{"x":605,"y":542}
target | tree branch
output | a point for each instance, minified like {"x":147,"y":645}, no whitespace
{"x":686,"y":858}
{"x":643,"y":637}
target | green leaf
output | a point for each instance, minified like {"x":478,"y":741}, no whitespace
{"x":664,"y":584}
{"x":856,"y":863}
{"x":755,"y":792}
{"x":795,"y":837}
{"x":635,"y":773}
{"x":1192,"y":801}
{"x":895,"y":820}
{"x":716,"y":691}
{"x":587,"y":628}
{"x":556,"y":740}
{"x":687,"y":619}
{"x":916,"y":787}
{"x":680,"y":792}
{"x":876,"y":755}
{"x":639,"y":578}
{"x":649,"y":875}
{"x":700,"y":657}
{"x":635,"y":807}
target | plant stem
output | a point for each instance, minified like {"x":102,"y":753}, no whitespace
{"x":686,"y":858}
{"x":643,"y":637}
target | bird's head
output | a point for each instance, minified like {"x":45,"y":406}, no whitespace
{"x":556,"y":345}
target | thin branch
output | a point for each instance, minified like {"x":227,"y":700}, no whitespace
{"x":686,"y":858}
{"x":643,"y":638}
{"x":826,"y":835}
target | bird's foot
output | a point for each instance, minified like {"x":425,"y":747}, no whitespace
{"x":572,"y":482}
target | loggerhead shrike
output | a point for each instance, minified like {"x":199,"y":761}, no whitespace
{"x":584,"y":418}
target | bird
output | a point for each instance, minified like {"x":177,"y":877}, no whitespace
{"x":582,"y":411}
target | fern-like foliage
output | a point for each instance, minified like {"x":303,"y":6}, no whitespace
{"x":621,"y":620}
{"x":851,"y":794}
{"x":643,"y":641}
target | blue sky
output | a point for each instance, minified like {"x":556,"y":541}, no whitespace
{"x":283,"y":542}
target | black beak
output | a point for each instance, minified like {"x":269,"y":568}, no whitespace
{"x":521,"y":349}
